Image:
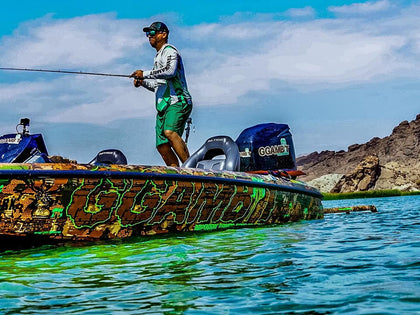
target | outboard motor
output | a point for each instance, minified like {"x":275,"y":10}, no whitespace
{"x":266,"y":147}
{"x":217,"y":153}
{"x":22,"y":147}
{"x":110,"y":156}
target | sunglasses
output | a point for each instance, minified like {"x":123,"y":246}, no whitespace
{"x":151,"y":33}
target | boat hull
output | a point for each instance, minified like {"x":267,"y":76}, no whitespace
{"x":74,"y":202}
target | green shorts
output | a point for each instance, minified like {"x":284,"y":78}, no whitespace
{"x":173,"y":118}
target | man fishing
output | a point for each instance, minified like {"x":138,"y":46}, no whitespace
{"x":173,"y":101}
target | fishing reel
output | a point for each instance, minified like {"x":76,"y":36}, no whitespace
{"x":188,"y":129}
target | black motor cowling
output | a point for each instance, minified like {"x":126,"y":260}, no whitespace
{"x":266,"y":147}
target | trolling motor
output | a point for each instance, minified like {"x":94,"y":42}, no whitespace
{"x":22,"y":147}
{"x":24,"y":122}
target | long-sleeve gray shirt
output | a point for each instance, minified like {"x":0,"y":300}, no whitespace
{"x":167,"y":79}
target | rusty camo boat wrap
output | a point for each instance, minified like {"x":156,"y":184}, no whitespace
{"x":61,"y":201}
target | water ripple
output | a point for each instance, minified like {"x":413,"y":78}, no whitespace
{"x":354,"y":264}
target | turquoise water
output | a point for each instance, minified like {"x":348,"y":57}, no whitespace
{"x":361,"y":263}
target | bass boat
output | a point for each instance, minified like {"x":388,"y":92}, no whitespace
{"x":225,"y":184}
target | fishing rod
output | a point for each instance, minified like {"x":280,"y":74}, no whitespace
{"x":69,"y":72}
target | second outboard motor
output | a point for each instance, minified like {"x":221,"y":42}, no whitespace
{"x":266,"y":147}
{"x":217,"y":153}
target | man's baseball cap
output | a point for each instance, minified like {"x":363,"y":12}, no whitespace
{"x":157,"y":26}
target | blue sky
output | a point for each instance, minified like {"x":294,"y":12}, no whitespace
{"x":338,"y":72}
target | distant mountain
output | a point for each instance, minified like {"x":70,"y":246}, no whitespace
{"x":391,"y":162}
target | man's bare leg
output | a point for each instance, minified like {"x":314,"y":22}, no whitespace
{"x":168,"y":154}
{"x":178,"y":145}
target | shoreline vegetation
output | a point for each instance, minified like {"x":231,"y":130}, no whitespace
{"x":369,"y":194}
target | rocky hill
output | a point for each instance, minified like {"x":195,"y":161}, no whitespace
{"x":392,"y":162}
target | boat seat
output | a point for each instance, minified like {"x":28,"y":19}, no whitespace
{"x":110,"y":156}
{"x":218,"y":153}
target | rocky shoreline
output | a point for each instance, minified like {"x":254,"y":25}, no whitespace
{"x":392,"y":162}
